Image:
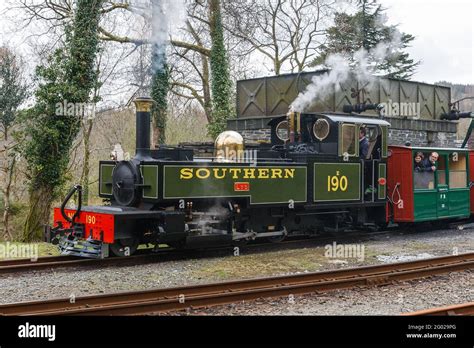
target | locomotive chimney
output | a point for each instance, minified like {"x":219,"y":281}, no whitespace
{"x":144,"y":106}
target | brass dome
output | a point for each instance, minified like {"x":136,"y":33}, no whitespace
{"x":229,"y":147}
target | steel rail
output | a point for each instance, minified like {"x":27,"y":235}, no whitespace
{"x":42,"y":263}
{"x":460,"y":309}
{"x":170,"y":299}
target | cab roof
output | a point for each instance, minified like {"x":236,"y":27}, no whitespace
{"x":356,"y":120}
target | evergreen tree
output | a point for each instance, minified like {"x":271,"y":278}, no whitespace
{"x":13,"y":93}
{"x":69,"y":77}
{"x":222,"y":109}
{"x":12,"y":89}
{"x":366,"y":29}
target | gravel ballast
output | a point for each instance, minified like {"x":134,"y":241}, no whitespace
{"x":315,"y":256}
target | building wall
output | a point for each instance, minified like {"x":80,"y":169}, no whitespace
{"x":427,"y":133}
{"x":420,"y":138}
{"x":256,"y":135}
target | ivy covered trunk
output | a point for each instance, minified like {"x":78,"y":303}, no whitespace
{"x":87,"y":130}
{"x":7,"y":197}
{"x":220,"y":75}
{"x":40,"y":204}
{"x":159,"y":93}
{"x":159,"y":71}
{"x":69,"y":78}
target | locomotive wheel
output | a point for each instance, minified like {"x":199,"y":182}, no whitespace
{"x":124,"y":247}
{"x":276,"y":239}
{"x":240,"y":243}
{"x":180,"y":245}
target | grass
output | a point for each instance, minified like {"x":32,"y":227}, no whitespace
{"x":266,"y":264}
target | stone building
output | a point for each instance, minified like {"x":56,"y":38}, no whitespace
{"x":260,"y":100}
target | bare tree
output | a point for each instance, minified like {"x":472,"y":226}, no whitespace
{"x":286,"y":33}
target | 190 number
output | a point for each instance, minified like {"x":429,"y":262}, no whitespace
{"x":337,"y":183}
{"x":90,"y":219}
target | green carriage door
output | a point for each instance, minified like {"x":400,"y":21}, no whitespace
{"x":442,"y":187}
{"x":425,"y":197}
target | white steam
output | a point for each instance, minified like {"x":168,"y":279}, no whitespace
{"x":167,"y":17}
{"x":341,"y":69}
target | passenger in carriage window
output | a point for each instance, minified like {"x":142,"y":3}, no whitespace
{"x":430,"y":162}
{"x":418,"y":165}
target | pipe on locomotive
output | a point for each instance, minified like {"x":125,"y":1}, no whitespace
{"x":294,"y":126}
{"x":360,"y":108}
{"x":144,"y":106}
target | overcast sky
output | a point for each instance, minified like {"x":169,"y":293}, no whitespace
{"x":443,"y":29}
{"x":444,"y":34}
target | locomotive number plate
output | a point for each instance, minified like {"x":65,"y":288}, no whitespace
{"x":337,"y":182}
{"x":242,"y":187}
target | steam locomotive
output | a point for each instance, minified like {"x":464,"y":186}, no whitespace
{"x":312,"y":177}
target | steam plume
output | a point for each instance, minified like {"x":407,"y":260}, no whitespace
{"x":167,"y":17}
{"x":341,"y":69}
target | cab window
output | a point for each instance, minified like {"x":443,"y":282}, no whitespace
{"x":373,"y":135}
{"x":457,"y":170}
{"x":349,"y":139}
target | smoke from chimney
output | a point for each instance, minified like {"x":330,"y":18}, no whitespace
{"x":341,"y":69}
{"x":167,"y":17}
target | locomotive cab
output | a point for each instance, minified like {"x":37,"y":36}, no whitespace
{"x":331,"y":134}
{"x":340,"y":138}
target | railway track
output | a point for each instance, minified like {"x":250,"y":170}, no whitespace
{"x":462,"y":309}
{"x":173,"y":299}
{"x":170,"y":254}
{"x":53,"y":262}
{"x":18,"y":265}
{"x":165,"y":254}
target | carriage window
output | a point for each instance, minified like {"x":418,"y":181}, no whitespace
{"x":441,"y":170}
{"x":457,"y":170}
{"x":349,"y":139}
{"x":424,"y":178}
